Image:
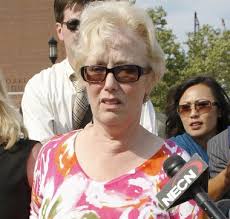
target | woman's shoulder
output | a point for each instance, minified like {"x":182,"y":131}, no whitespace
{"x":170,"y":147}
{"x":164,"y":147}
{"x":28,"y":142}
{"x":57,"y":156}
{"x":61,"y":140}
{"x":22,"y":146}
{"x":57,"y":146}
{"x":161,"y":149}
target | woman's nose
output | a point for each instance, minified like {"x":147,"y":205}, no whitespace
{"x":110,"y":82}
{"x":194,"y":111}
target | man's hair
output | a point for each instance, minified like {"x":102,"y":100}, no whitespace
{"x":61,"y":5}
{"x":11,"y":128}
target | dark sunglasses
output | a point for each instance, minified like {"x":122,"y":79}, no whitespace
{"x":201,"y":106}
{"x":72,"y":24}
{"x":122,"y":73}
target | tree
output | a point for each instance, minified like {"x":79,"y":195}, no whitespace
{"x":174,"y":55}
{"x":209,"y":54}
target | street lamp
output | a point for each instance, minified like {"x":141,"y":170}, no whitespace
{"x":52,"y":49}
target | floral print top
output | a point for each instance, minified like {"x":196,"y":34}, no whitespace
{"x":61,"y":189}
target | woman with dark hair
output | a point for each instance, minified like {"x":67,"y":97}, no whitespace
{"x":197,"y":110}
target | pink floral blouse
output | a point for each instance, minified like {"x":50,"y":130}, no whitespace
{"x":61,"y":189}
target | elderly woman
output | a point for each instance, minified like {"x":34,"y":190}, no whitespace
{"x":113,"y":167}
{"x":17,"y":159}
{"x":197,"y":110}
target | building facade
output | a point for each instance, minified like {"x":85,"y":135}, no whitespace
{"x":26,"y":27}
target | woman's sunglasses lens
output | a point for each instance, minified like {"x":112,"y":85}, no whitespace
{"x":126,"y":73}
{"x":203,"y":106}
{"x":184,"y":109}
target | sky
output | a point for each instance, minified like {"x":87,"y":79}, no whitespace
{"x":180,"y":14}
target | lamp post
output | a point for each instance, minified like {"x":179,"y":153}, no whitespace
{"x":52,"y":49}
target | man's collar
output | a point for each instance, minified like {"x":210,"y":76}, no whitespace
{"x":69,"y":68}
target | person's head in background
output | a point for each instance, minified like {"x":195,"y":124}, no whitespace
{"x":200,"y":107}
{"x":67,"y":16}
{"x":124,"y":39}
{"x":11,"y":126}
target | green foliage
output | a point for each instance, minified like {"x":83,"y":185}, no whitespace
{"x":174,"y":54}
{"x":208,"y":54}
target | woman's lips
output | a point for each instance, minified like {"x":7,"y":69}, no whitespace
{"x":111,"y":101}
{"x":196,"y":125}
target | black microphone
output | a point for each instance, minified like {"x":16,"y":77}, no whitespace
{"x":185,"y":183}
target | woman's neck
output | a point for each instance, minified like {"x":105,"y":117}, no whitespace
{"x":202,"y":142}
{"x":119,"y":139}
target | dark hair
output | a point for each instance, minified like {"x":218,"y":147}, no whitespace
{"x":174,"y":124}
{"x":61,"y":5}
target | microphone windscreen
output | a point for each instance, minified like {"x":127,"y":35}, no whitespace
{"x":173,"y":164}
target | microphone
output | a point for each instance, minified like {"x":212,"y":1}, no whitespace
{"x":188,"y":181}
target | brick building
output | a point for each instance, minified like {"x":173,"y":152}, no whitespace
{"x":26,"y":27}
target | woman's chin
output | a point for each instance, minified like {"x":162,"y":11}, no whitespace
{"x":110,"y":118}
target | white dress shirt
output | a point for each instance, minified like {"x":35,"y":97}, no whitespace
{"x":48,"y":100}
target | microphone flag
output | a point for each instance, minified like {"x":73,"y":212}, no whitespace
{"x":176,"y":191}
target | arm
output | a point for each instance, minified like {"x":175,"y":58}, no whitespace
{"x":220,"y":184}
{"x":31,"y":162}
{"x":36,"y":179}
{"x":219,"y":166}
{"x":37,"y":112}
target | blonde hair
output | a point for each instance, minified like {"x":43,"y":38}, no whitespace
{"x":99,"y":22}
{"x":11,"y":126}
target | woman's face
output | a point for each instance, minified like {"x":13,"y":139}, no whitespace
{"x":113,"y":102}
{"x":200,"y":123}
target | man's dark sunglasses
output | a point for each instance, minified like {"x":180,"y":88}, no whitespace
{"x":122,"y":73}
{"x":72,"y":24}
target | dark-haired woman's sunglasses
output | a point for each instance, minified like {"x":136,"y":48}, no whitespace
{"x":201,"y":106}
{"x":72,"y":24}
{"x":122,"y":73}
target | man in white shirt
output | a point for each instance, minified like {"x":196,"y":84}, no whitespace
{"x":48,"y":99}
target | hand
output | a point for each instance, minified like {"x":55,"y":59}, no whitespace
{"x":227,"y":175}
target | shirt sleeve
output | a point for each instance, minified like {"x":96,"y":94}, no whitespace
{"x":218,"y":152}
{"x":37,"y":111}
{"x":148,"y":117}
